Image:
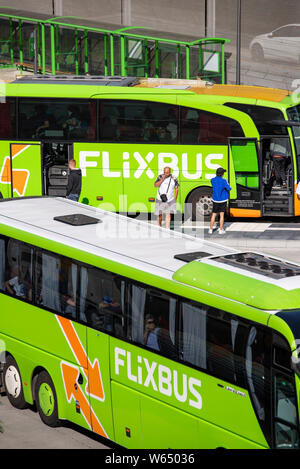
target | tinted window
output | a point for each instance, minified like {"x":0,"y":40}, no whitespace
{"x":263,"y":117}
{"x":7,"y":118}
{"x":102,"y":300}
{"x":138,"y":121}
{"x":152,"y":316}
{"x":16,"y":269}
{"x":200,"y":127}
{"x":286,"y":31}
{"x":258,"y":366}
{"x":56,"y":283}
{"x":212,"y":340}
{"x":57,"y":119}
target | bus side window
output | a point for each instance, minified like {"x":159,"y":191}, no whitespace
{"x":152,"y":320}
{"x":220,"y":345}
{"x":201,"y":127}
{"x":102,"y":300}
{"x":138,"y":121}
{"x":57,"y":118}
{"x":192,"y":334}
{"x":56,"y":283}
{"x":8,"y":119}
{"x":258,"y":367}
{"x":2,"y":263}
{"x":19,"y":270}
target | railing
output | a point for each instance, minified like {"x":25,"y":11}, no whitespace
{"x":53,"y":46}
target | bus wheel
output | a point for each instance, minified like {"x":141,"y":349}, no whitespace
{"x":46,"y":400}
{"x":201,"y":203}
{"x":13,"y":383}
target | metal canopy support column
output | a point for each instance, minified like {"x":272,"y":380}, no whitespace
{"x":11,"y":41}
{"x":105,"y":55}
{"x":112,"y":65}
{"x":43,"y":49}
{"x":86,"y":52}
{"x":21,"y":46}
{"x":52,"y":32}
{"x":187,"y":63}
{"x":178,"y":61}
{"x":76,"y":52}
{"x":146,"y":69}
{"x":122,"y":56}
{"x":156,"y":51}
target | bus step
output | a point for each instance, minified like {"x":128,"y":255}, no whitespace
{"x":276,"y":204}
{"x":57,"y":191}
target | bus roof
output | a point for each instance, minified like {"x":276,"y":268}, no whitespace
{"x":243,"y":91}
{"x":67,"y":85}
{"x":151,"y":249}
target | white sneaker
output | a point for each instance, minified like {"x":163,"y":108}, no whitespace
{"x":210,"y":231}
{"x":221,"y":231}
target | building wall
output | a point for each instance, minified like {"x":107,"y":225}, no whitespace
{"x":176,"y":16}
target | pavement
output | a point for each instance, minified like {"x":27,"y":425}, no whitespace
{"x":279,"y":238}
{"x":23,"y":429}
{"x":248,"y":234}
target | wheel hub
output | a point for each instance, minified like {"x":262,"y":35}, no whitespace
{"x":204,"y":206}
{"x":46,"y":399}
{"x":13,"y":381}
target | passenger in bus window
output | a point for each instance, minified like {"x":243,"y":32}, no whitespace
{"x":148,"y":132}
{"x":110,"y":310}
{"x":151,"y":331}
{"x":42,"y":120}
{"x":13,"y":285}
{"x":94,"y":318}
{"x":172,"y":126}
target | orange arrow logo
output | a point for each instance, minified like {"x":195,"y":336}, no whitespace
{"x":94,"y":387}
{"x":19,"y":177}
{"x":70,"y":375}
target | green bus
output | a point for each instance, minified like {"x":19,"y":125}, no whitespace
{"x":276,"y":114}
{"x":122,"y":135}
{"x":146,"y":336}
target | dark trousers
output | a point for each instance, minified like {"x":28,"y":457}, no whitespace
{"x":279,"y":169}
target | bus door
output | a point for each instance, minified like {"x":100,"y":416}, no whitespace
{"x":244,"y":178}
{"x":25,"y":169}
{"x":276,"y":200}
{"x":55,"y":158}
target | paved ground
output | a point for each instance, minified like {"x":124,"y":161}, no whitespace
{"x":23,"y":429}
{"x":263,"y":235}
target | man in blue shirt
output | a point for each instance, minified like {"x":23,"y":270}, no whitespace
{"x":220,"y":196}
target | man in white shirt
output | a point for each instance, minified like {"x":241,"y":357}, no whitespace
{"x":166,"y":196}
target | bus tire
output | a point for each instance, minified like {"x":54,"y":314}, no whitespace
{"x":13,"y":383}
{"x":46,"y":400}
{"x":201,"y":203}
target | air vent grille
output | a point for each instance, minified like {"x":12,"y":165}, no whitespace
{"x":260,"y":264}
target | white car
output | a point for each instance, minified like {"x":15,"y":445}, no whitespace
{"x":281,"y":44}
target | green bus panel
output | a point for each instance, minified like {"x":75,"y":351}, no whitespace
{"x":213,"y":412}
{"x":123,"y":175}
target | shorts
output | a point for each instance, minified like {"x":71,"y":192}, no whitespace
{"x":165,"y":207}
{"x":219,"y":207}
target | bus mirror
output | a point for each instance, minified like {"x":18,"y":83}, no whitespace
{"x":295,"y":363}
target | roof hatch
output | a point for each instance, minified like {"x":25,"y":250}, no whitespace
{"x":77,"y":219}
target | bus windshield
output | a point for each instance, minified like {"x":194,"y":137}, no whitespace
{"x":292,"y":318}
{"x":293,"y":114}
